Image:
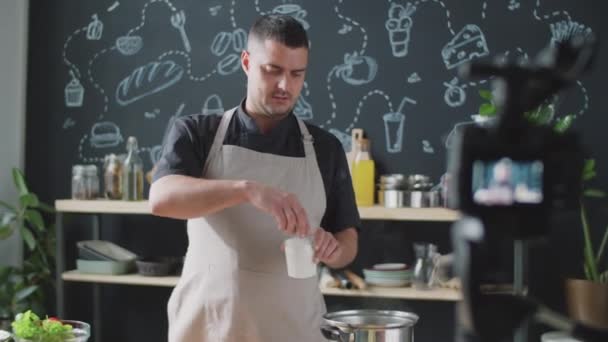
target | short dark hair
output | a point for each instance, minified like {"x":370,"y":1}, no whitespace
{"x":280,"y":28}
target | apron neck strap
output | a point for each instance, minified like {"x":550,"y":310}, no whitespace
{"x":220,"y":134}
{"x":306,"y":139}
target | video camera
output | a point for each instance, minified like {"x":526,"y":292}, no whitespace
{"x":507,"y":179}
{"x":514,"y":173}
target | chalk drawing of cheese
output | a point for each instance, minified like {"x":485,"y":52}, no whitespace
{"x":468,"y":44}
{"x":147,"y":80}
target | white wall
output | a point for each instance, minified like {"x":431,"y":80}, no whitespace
{"x":13,"y":61}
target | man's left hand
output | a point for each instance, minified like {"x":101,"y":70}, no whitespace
{"x":327,"y":247}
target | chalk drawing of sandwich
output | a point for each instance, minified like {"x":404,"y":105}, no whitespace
{"x":147,"y":80}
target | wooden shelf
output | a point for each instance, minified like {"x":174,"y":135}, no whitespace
{"x":126,"y":279}
{"x":102,"y":206}
{"x":439,"y":294}
{"x":408,"y":214}
{"x":378,"y":292}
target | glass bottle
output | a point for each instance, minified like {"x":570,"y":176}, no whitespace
{"x":133,"y":173}
{"x":363,"y":174}
{"x":113,"y":177}
{"x":78,"y":183}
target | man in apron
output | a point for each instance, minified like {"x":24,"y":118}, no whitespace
{"x":245,"y":182}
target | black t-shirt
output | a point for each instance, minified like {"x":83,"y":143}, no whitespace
{"x":188,"y":142}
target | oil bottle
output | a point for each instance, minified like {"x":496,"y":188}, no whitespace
{"x":363,"y":171}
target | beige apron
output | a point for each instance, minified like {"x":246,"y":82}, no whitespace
{"x":234,"y":285}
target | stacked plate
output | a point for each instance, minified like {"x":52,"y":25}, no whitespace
{"x":390,"y":275}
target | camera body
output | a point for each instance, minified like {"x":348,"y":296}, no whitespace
{"x":513,"y":179}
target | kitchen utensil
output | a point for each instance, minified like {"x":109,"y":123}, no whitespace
{"x":357,"y":281}
{"x":391,"y":198}
{"x":299,"y":257}
{"x":369,"y":325}
{"x":178,"y":20}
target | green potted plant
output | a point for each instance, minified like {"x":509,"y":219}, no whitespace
{"x":587,"y":299}
{"x":23,"y":288}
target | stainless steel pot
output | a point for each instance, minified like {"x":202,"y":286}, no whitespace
{"x":369,"y":325}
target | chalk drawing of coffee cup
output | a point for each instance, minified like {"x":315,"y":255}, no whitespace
{"x":295,"y":11}
{"x":357,"y":70}
{"x":399,"y":25}
{"x":74,"y":92}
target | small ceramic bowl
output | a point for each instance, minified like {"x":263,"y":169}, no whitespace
{"x":155,"y":266}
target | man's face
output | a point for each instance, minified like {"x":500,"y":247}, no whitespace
{"x":275,"y":76}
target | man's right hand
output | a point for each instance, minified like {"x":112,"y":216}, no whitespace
{"x":283,"y":206}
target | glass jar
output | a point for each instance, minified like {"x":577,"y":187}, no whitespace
{"x":79,"y":187}
{"x":425,"y":266}
{"x":112,"y":177}
{"x":91,"y":181}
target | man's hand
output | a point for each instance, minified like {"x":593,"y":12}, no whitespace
{"x":284,"y":207}
{"x":327,"y":248}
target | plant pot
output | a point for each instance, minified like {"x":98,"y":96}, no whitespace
{"x":587,"y":302}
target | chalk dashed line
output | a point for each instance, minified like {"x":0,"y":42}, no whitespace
{"x":549,"y":16}
{"x":189,"y":67}
{"x":258,"y":9}
{"x":354,"y":23}
{"x":362,"y":101}
{"x":95,"y":84}
{"x":232,"y":19}
{"x":586,"y":95}
{"x":484,"y":7}
{"x":69,"y":64}
{"x":81,"y":155}
{"x":143,"y":14}
{"x":447,"y":13}
{"x":331,"y":97}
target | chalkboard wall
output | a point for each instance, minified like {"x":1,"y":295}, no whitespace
{"x":101,"y":71}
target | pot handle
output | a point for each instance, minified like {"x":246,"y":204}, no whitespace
{"x":334,"y":334}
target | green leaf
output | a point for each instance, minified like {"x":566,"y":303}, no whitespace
{"x":600,"y":252}
{"x":485,"y":94}
{"x":594,"y":193}
{"x":29,"y":200}
{"x":28,"y":237}
{"x":6,"y":232}
{"x":7,"y":206}
{"x":34,"y":217}
{"x":563,"y":124}
{"x":487,"y":109}
{"x":589,"y":169}
{"x":19,"y":180}
{"x":26,"y":292}
{"x":590,"y":265}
